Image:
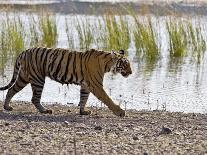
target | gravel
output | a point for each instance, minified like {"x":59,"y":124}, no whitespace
{"x":25,"y":131}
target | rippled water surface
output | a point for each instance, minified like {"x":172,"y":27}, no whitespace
{"x":180,"y":88}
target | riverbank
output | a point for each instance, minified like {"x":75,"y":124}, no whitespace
{"x":25,"y":131}
{"x":158,"y":7}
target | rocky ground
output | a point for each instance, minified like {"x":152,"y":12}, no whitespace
{"x":25,"y":131}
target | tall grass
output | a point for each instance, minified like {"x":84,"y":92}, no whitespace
{"x":185,"y":37}
{"x":3,"y":48}
{"x":34,"y":32}
{"x":70,"y":34}
{"x":15,"y":34}
{"x":197,"y":41}
{"x":101,"y":37}
{"x":118,"y":32}
{"x":178,"y":40}
{"x":106,"y":32}
{"x":146,"y":41}
{"x":48,"y":29}
{"x":85,"y":32}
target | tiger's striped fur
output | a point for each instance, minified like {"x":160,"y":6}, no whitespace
{"x":66,"y":67}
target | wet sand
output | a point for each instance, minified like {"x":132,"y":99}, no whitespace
{"x":25,"y":131}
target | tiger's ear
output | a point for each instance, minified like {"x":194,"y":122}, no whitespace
{"x":122,"y":52}
{"x":114,"y":54}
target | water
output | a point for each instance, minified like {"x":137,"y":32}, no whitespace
{"x":182,"y":89}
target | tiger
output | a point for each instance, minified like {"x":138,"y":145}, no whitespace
{"x":66,"y":66}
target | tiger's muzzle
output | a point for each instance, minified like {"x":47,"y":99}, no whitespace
{"x":126,"y":74}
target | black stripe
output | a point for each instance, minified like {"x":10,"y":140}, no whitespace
{"x":21,"y":79}
{"x":38,"y":85}
{"x":66,"y":71}
{"x":97,"y":81}
{"x":41,"y":81}
{"x":58,"y":66}
{"x":106,"y":64}
{"x":36,"y":59}
{"x":55,"y":55}
{"x":71,"y":79}
{"x":74,"y":68}
{"x":86,"y":55}
{"x":107,"y":54}
{"x":45,"y":60}
{"x":93,"y":83}
{"x":41,"y":58}
{"x":32,"y":67}
{"x":81,"y":67}
{"x":100,"y":76}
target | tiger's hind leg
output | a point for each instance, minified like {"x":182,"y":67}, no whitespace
{"x":37,"y":93}
{"x":84,"y":93}
{"x":19,"y":85}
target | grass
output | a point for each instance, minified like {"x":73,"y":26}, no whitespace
{"x":48,"y":29}
{"x":85,"y":32}
{"x":178,"y":42}
{"x":15,"y":34}
{"x":146,"y":41}
{"x":14,"y":37}
{"x":101,"y":37}
{"x":118,"y":32}
{"x":70,"y":34}
{"x":34,"y":32}
{"x":197,"y":41}
{"x":3,"y":49}
{"x":106,"y":32}
{"x":185,"y":36}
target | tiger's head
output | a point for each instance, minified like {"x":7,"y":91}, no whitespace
{"x":122,"y":64}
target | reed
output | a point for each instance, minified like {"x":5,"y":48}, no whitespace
{"x":70,"y":34}
{"x":3,"y":49}
{"x":101,"y":35}
{"x":34,"y":32}
{"x":85,"y":32}
{"x":146,"y":41}
{"x":178,"y":38}
{"x":118,"y":32}
{"x":15,"y":34}
{"x":197,"y":41}
{"x":48,"y":29}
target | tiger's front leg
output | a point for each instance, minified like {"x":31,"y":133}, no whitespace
{"x":84,"y":93}
{"x":100,"y":93}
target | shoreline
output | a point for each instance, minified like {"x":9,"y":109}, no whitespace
{"x":159,"y":8}
{"x":25,"y":131}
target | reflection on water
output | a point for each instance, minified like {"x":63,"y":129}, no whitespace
{"x":171,"y":84}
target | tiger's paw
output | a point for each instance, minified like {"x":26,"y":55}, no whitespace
{"x":8,"y":108}
{"x":119,"y":112}
{"x":47,"y":111}
{"x":85,"y":112}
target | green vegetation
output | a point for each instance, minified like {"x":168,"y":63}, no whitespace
{"x":101,"y":37}
{"x":70,"y":35}
{"x":48,"y":29}
{"x":118,"y":32}
{"x":3,"y":49}
{"x":34,"y":32}
{"x":146,"y":41}
{"x":185,"y":38}
{"x":85,"y":34}
{"x":177,"y":38}
{"x":197,"y":41}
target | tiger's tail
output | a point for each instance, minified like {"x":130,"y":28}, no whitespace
{"x":14,"y":77}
